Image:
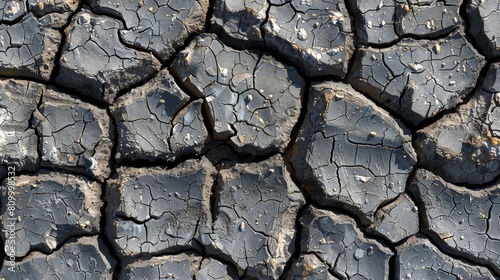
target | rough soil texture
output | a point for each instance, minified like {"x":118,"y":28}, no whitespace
{"x":250,"y":139}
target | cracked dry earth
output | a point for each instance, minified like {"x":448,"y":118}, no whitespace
{"x":250,"y":139}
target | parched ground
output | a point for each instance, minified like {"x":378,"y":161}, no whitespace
{"x":250,"y":139}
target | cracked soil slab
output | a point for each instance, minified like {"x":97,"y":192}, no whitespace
{"x":253,"y":99}
{"x":254,"y":223}
{"x":153,"y":211}
{"x":51,"y":208}
{"x":349,"y":152}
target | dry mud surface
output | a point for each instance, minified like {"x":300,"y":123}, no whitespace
{"x":250,"y":139}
